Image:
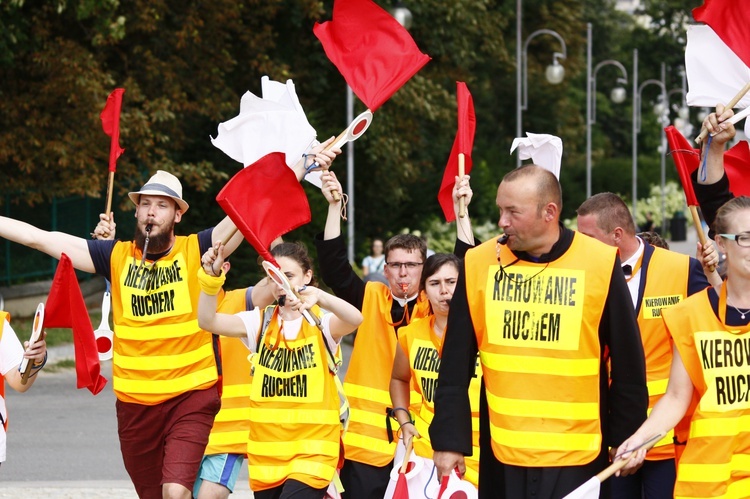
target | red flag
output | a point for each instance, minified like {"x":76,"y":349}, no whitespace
{"x":265,"y":201}
{"x":463,"y":143}
{"x":687,"y":160}
{"x":65,"y":308}
{"x":373,"y":52}
{"x":730,"y":20}
{"x":111,"y":124}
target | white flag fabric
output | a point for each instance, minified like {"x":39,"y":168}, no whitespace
{"x":714,"y":72}
{"x":275,"y":122}
{"x":589,"y":490}
{"x":543,"y":149}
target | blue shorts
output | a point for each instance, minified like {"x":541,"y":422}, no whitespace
{"x":219,"y":468}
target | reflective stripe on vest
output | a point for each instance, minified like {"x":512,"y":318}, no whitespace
{"x":417,"y":342}
{"x":368,"y":377}
{"x":537,"y":331}
{"x":666,"y":285}
{"x":294,"y":412}
{"x":716,"y":460}
{"x":159,"y":350}
{"x":232,"y":423}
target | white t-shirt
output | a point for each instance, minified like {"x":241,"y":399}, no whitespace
{"x":11,"y":353}
{"x":252,"y":319}
{"x":374,"y":264}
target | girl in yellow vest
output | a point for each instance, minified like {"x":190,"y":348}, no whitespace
{"x":11,"y":355}
{"x":710,"y":365}
{"x":417,"y":363}
{"x":295,"y":432}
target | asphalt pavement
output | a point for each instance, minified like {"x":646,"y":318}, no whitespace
{"x":62,"y":441}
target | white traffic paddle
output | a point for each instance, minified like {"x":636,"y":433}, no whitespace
{"x":355,"y":130}
{"x":590,"y":489}
{"x":103,"y":333}
{"x":279,"y":278}
{"x":36,"y":333}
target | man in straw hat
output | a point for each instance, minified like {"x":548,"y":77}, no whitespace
{"x":165,"y":368}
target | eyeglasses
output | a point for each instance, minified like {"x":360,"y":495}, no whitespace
{"x":398,"y":265}
{"x":741,"y":239}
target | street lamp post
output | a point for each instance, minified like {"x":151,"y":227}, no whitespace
{"x":554,"y":73}
{"x":617,"y":96}
{"x":637,"y":90}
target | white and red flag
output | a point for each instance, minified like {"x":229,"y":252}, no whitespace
{"x":717,"y":56}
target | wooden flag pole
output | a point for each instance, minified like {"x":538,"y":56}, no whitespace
{"x":699,"y":230}
{"x":730,"y":104}
{"x":461,"y":173}
{"x":110,"y":187}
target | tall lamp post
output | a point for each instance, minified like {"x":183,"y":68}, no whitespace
{"x":617,"y":96}
{"x":555,"y":72}
{"x":637,"y":90}
{"x":404,"y":18}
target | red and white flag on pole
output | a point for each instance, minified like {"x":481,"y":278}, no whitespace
{"x":274,"y":122}
{"x":717,"y":56}
{"x":462,"y":144}
{"x":373,"y":52}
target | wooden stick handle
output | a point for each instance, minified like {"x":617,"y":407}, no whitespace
{"x":461,"y":173}
{"x":620,"y":463}
{"x":110,"y":187}
{"x":699,"y":230}
{"x":407,"y":455}
{"x":730,"y":104}
{"x":335,"y":194}
{"x":229,"y":236}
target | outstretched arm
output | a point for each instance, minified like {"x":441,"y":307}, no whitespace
{"x":333,"y":220}
{"x":211,"y":277}
{"x":462,"y":189}
{"x":52,"y":243}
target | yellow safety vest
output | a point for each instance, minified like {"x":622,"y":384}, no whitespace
{"x":295,"y":430}
{"x":666,"y":285}
{"x":423,"y":349}
{"x":716,"y":460}
{"x":537,"y":330}
{"x":231,"y":427}
{"x":159,"y":350}
{"x":368,"y":378}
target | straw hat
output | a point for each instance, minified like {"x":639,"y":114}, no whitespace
{"x":162,"y":184}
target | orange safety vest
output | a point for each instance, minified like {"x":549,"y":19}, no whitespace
{"x":3,"y":317}
{"x":666,"y":285}
{"x":232,"y":423}
{"x":159,"y":351}
{"x":716,"y":460}
{"x":537,"y":330}
{"x":295,"y":431}
{"x":423,"y":349}
{"x":368,"y":377}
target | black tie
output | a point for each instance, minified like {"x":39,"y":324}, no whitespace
{"x":627,"y":270}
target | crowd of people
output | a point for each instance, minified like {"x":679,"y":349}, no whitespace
{"x":546,"y":352}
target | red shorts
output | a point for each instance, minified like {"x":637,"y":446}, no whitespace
{"x":164,"y":443}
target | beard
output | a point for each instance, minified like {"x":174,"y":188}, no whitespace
{"x":158,"y":243}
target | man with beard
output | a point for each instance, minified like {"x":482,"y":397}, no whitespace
{"x":164,"y":366}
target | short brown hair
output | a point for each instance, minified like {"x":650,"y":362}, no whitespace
{"x":611,"y":212}
{"x":408,"y":242}
{"x":548,"y":187}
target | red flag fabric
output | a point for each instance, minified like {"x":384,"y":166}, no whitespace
{"x":373,"y":52}
{"x":65,"y":308}
{"x":463,"y":143}
{"x":111,"y":124}
{"x":265,"y":201}
{"x":687,"y":160}
{"x":729,"y":19}
{"x":402,"y":487}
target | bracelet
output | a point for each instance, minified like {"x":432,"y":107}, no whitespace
{"x":393,"y":412}
{"x":211,"y":285}
{"x":406,"y":423}
{"x":44,"y":362}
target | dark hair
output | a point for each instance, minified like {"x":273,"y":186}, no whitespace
{"x":408,"y":242}
{"x":434,"y":263}
{"x":297,"y":252}
{"x":610,"y":211}
{"x":722,"y":220}
{"x":654,"y":239}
